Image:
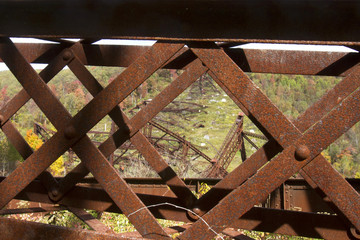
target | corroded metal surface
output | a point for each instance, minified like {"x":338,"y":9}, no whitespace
{"x":16,"y":229}
{"x":292,"y":147}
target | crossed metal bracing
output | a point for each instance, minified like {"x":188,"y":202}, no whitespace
{"x":293,"y":147}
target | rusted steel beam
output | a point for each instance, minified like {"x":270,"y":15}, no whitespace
{"x":336,"y":189}
{"x":250,"y":60}
{"x":329,"y":100}
{"x":208,"y":20}
{"x":31,"y":210}
{"x":17,"y":229}
{"x":304,"y":197}
{"x":16,"y":139}
{"x":88,"y":219}
{"x":91,"y":196}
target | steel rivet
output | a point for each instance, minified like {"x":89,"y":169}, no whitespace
{"x":302,"y":152}
{"x":55,"y":192}
{"x":197,"y":210}
{"x":67,"y":55}
{"x":70,"y":132}
{"x":355,"y":233}
{"x":194,"y":213}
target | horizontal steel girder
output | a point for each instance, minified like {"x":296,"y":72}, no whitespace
{"x":320,"y":20}
{"x":89,"y":195}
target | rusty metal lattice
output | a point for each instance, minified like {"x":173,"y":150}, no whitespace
{"x":292,"y":147}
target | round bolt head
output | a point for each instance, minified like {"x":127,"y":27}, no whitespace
{"x":70,"y":132}
{"x":67,"y":55}
{"x":55,"y":192}
{"x":302,"y":152}
{"x":355,"y":233}
{"x":197,"y":212}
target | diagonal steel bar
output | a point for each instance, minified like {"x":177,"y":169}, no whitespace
{"x":89,"y":220}
{"x":329,"y":100}
{"x":153,"y":228}
{"x":137,"y":122}
{"x":281,"y":168}
{"x":253,"y":99}
{"x":194,"y":71}
{"x":322,"y":195}
{"x":17,"y":140}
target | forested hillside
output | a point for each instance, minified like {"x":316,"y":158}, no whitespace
{"x":202,"y":115}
